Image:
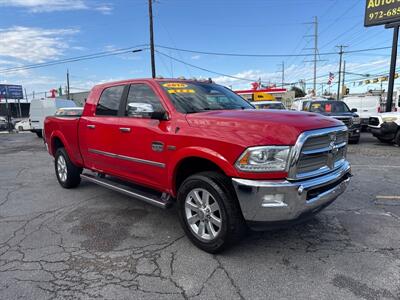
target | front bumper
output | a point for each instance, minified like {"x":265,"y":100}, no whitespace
{"x":285,"y":201}
{"x":386,"y":130}
{"x":354,"y":132}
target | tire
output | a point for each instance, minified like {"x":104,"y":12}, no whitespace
{"x":386,"y":141}
{"x":355,"y":141}
{"x":212,"y":236}
{"x":68,"y":175}
{"x":39,"y":134}
{"x":20,"y":128}
{"x":397,"y":138}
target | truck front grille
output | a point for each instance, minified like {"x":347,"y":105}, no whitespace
{"x":347,"y":121}
{"x":318,"y":152}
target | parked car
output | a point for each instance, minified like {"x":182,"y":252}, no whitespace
{"x":386,"y":127}
{"x":3,"y":124}
{"x":199,"y":145}
{"x":268,"y":105}
{"x":340,"y":111}
{"x":41,"y":108}
{"x":300,"y":103}
{"x":22,"y":125}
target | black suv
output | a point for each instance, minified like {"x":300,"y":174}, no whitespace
{"x":340,"y":111}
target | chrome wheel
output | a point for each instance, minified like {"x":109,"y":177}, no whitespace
{"x":62,"y":168}
{"x":203,"y":214}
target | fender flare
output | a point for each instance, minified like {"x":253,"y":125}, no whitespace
{"x":59,"y":135}
{"x":197,"y":152}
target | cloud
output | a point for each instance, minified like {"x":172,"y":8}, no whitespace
{"x":105,"y":9}
{"x":34,"y":45}
{"x":44,"y":6}
{"x":248,"y":76}
{"x":196,"y":57}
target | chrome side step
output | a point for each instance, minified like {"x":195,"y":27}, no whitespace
{"x":161,"y":200}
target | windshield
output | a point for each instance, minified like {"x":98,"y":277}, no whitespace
{"x":194,"y":97}
{"x":328,"y":107}
{"x":270,"y":106}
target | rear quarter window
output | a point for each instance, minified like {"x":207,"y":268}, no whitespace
{"x":110,"y":101}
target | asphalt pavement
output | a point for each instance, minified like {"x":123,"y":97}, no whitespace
{"x":90,"y":242}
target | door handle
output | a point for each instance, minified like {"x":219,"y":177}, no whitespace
{"x":91,"y":126}
{"x":124,"y":129}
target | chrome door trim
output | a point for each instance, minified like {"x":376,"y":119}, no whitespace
{"x":128,"y":158}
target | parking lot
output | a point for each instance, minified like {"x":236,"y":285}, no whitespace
{"x":94,"y":243}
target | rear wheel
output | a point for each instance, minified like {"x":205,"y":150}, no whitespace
{"x":68,"y":175}
{"x":20,"y":128}
{"x":209,"y":211}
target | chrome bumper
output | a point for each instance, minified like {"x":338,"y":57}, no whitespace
{"x":277,"y":201}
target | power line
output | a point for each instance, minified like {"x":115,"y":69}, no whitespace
{"x":76,"y":59}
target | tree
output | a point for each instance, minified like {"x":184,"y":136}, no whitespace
{"x":299,"y":93}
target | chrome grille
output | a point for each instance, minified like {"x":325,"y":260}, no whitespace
{"x":318,"y":152}
{"x":347,"y":121}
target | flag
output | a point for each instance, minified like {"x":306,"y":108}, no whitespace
{"x":331,"y":78}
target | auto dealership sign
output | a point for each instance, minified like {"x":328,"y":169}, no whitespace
{"x":380,"y":12}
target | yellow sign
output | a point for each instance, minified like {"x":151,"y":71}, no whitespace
{"x":182,"y":91}
{"x":261,"y":96}
{"x":175,"y":85}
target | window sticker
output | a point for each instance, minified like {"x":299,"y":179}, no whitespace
{"x":182,"y":91}
{"x":175,"y":85}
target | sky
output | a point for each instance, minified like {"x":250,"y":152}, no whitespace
{"x":39,"y":31}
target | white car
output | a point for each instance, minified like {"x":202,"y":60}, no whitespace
{"x":386,"y":127}
{"x":22,"y":125}
{"x":268,"y":105}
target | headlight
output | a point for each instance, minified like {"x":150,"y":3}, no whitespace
{"x":264,"y":159}
{"x":356,"y":120}
{"x":389,"y":119}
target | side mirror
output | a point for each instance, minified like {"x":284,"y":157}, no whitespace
{"x":354,"y":110}
{"x":159,"y":115}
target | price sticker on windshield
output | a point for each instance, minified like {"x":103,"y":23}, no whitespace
{"x":175,"y":85}
{"x":182,"y":91}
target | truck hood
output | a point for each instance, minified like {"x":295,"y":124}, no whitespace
{"x":388,"y":114}
{"x":258,"y":127}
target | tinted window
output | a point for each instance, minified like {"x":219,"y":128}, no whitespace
{"x":109,"y":101}
{"x":142,"y":101}
{"x":194,"y":97}
{"x":328,"y":107}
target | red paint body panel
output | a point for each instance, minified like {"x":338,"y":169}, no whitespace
{"x":218,"y":136}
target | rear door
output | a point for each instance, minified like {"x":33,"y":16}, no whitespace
{"x":99,"y":133}
{"x":142,"y":140}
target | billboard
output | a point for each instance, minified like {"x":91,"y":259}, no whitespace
{"x":11,"y":91}
{"x":379,"y":12}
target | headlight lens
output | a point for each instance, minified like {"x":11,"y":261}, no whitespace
{"x":356,"y":120}
{"x":264,"y":159}
{"x":389,"y":119}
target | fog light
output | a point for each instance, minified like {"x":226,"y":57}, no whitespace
{"x":274,"y":201}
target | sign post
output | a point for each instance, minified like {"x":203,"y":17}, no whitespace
{"x":386,"y":12}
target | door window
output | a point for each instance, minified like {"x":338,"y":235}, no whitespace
{"x":110,"y":101}
{"x":142,"y":102}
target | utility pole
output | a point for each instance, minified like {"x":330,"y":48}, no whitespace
{"x":340,"y":70}
{"x":153,"y":62}
{"x":344,"y":76}
{"x":68,"y":93}
{"x":315,"y":49}
{"x":283,"y":74}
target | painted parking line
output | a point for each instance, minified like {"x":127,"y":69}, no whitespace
{"x":388,"y":200}
{"x":388,"y":197}
{"x":375,"y":167}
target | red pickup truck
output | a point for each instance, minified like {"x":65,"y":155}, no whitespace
{"x":226,"y":165}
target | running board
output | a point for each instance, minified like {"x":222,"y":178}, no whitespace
{"x":161,"y":200}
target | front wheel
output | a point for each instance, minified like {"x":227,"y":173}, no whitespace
{"x":397,"y":138}
{"x":68,"y":175}
{"x":386,"y":141}
{"x":209,"y":211}
{"x":39,"y":134}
